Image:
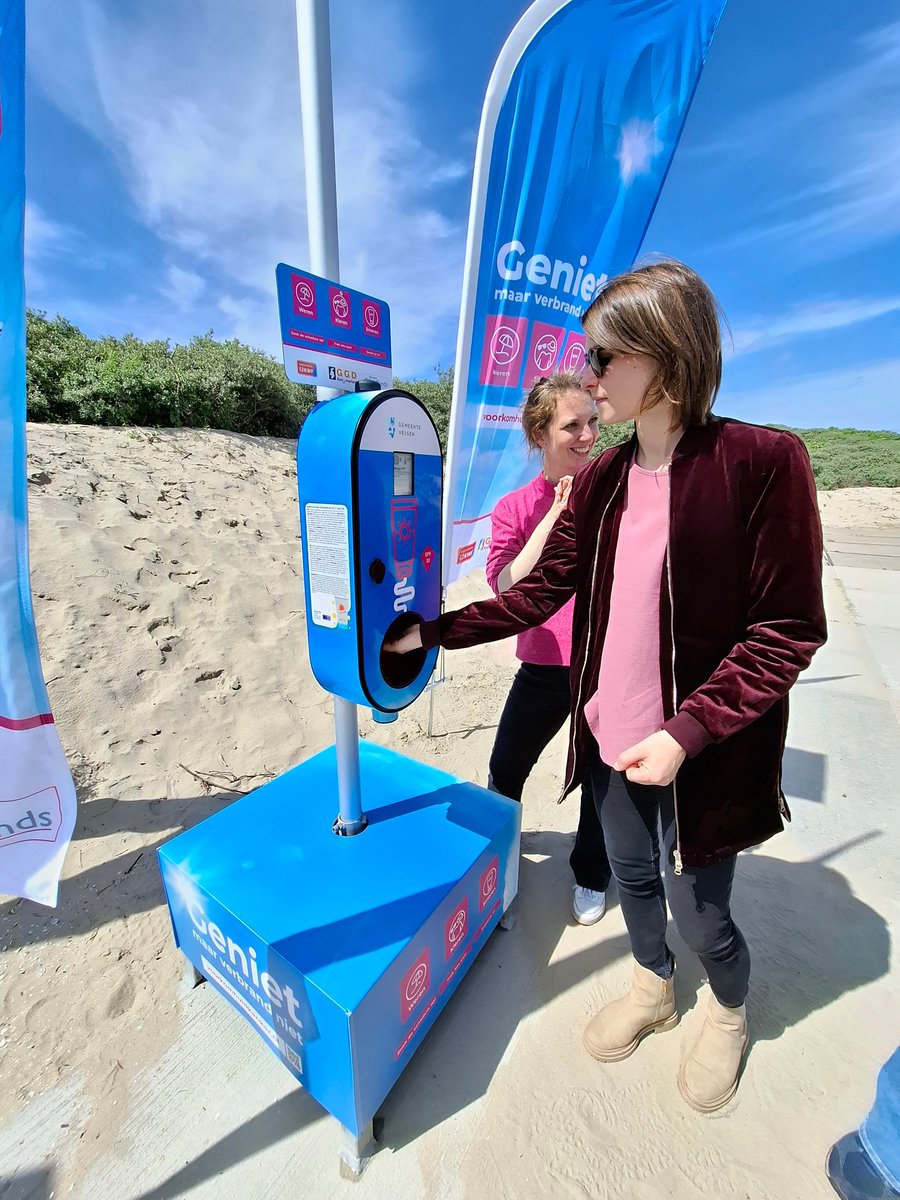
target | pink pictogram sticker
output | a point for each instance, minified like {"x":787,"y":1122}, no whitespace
{"x":456,"y":927}
{"x":371,"y":318}
{"x":503,"y":351}
{"x":404,"y":515}
{"x":340,"y":308}
{"x":543,"y":351}
{"x":415,"y":983}
{"x":303,"y":291}
{"x":573,"y":355}
{"x":488,"y":884}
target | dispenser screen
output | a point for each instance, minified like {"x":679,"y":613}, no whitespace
{"x":403,"y":473}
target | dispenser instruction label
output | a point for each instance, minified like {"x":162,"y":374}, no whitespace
{"x":328,"y":563}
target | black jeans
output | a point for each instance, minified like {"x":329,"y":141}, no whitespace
{"x":632,"y":816}
{"x":536,"y":709}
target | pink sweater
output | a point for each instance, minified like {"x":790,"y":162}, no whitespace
{"x":627,"y":706}
{"x":512,"y":523}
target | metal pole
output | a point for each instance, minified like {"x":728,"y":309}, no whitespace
{"x":317,"y":117}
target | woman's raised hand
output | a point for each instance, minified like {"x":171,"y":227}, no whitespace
{"x":561,"y":494}
{"x":410,"y":639}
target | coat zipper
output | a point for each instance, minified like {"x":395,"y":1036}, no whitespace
{"x":679,"y":866}
{"x":587,"y":644}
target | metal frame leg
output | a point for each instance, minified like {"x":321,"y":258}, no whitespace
{"x":508,"y":920}
{"x":191,"y":976}
{"x":355,"y":1151}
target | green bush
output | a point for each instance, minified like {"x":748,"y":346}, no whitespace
{"x":225,"y":385}
{"x":853,"y":457}
{"x":123,"y":381}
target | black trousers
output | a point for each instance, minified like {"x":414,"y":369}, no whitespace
{"x":639,"y":826}
{"x":536,"y":709}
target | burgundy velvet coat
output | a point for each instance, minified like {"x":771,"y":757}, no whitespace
{"x":741,"y":614}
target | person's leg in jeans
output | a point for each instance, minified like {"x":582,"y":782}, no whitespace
{"x":700,"y":901}
{"x":536,"y":709}
{"x":630,"y":828}
{"x":865,"y":1164}
{"x":589,"y":860}
{"x":880,"y":1131}
{"x":632,"y":816}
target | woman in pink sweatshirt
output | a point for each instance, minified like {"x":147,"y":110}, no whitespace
{"x":559,"y":419}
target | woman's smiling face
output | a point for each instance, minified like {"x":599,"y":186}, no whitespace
{"x":568,"y":438}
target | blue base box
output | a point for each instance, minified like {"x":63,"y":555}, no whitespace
{"x":342,"y":951}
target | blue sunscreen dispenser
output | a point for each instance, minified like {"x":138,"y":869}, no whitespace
{"x":342,"y":952}
{"x":369,"y":479}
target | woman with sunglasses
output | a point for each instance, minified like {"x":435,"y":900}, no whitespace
{"x":694,"y":554}
{"x":559,"y":419}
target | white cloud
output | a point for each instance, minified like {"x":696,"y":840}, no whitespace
{"x":183,"y":288}
{"x":45,"y":240}
{"x":840,"y":185}
{"x":43,"y":235}
{"x":200,"y":106}
{"x":762,"y":332}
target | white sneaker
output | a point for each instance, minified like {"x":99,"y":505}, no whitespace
{"x":588,"y":906}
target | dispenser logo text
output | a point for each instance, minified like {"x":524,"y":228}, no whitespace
{"x":344,"y":374}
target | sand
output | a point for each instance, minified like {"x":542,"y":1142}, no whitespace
{"x":166,"y":574}
{"x":868,"y":507}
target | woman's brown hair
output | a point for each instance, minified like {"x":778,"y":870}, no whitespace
{"x":664,"y":310}
{"x":539,"y":407}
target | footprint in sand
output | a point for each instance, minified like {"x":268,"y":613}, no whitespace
{"x":208,"y":676}
{"x":122,"y":997}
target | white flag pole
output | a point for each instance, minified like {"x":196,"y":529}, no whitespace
{"x":317,"y":117}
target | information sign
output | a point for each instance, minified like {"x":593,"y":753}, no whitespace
{"x":331,"y":335}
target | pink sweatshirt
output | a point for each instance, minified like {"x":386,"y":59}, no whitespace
{"x":513,"y":521}
{"x":627,"y":706}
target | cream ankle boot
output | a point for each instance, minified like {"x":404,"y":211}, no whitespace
{"x":617,"y":1028}
{"x":709,"y":1073}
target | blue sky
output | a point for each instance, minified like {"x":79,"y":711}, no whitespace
{"x":165,"y":179}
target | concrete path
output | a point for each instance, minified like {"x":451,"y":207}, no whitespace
{"x":867,"y":563}
{"x":501,"y":1100}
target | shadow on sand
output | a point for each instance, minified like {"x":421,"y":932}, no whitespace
{"x":799,"y":966}
{"x":121,"y":885}
{"x":280,"y":1120}
{"x":803,"y":774}
{"x":801,"y":962}
{"x":29,"y":1185}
